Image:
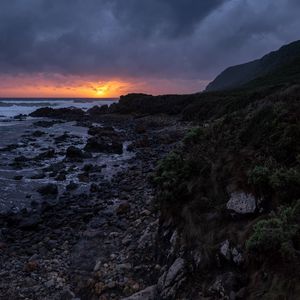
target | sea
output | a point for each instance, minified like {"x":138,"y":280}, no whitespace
{"x":16,"y":194}
{"x":12,"y":107}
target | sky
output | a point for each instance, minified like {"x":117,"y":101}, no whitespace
{"x":106,"y":48}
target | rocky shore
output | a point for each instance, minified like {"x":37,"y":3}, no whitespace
{"x":88,"y":225}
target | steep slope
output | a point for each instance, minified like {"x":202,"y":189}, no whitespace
{"x":286,"y":59}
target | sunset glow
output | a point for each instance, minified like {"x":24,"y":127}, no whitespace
{"x":60,"y":86}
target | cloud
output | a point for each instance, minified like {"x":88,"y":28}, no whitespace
{"x":176,"y":40}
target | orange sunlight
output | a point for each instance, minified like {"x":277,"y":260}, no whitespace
{"x":61,"y":86}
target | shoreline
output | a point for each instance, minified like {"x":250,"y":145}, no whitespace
{"x":99,"y":242}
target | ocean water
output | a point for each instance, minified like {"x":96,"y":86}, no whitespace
{"x":13,"y":107}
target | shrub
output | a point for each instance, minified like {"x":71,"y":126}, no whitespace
{"x":277,"y":234}
{"x":259,"y":175}
{"x":194,"y":135}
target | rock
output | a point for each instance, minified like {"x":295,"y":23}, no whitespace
{"x":74,"y":154}
{"x":123,"y":208}
{"x":62,"y":138}
{"x":38,"y":133}
{"x":38,"y":176}
{"x":224,"y":285}
{"x":21,"y":159}
{"x":44,"y":124}
{"x":241,"y":203}
{"x":150,"y":293}
{"x":107,"y":131}
{"x":20,"y":117}
{"x":127,"y":240}
{"x":94,"y":188}
{"x":225,"y":250}
{"x":30,"y":222}
{"x":97,"y":110}
{"x":71,"y":113}
{"x":72,"y":186}
{"x":31,"y":266}
{"x":237,"y":256}
{"x":171,"y":280}
{"x":49,"y":189}
{"x":104,"y":145}
{"x":46,"y":155}
{"x":140,"y":129}
{"x":50,"y":283}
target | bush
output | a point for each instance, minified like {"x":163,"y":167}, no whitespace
{"x":259,"y":175}
{"x":277,"y":234}
{"x":194,"y":135}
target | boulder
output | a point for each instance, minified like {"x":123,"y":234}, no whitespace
{"x":241,"y":203}
{"x":71,"y":113}
{"x":170,"y":282}
{"x":104,"y":145}
{"x":49,"y":189}
{"x":74,"y":154}
{"x":98,"y":110}
{"x":102,"y":131}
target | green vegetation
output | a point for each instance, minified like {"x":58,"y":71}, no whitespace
{"x":278,"y":234}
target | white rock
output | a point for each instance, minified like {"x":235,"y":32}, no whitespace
{"x":241,"y":203}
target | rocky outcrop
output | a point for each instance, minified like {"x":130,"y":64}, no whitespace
{"x":60,"y":113}
{"x":241,"y":203}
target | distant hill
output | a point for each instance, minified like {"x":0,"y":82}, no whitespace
{"x":278,"y":67}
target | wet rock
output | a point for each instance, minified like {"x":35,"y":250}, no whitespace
{"x":74,"y":154}
{"x":97,"y":110}
{"x":72,"y":186}
{"x":104,"y":145}
{"x":241,"y":203}
{"x":61,"y":176}
{"x":46,"y":155}
{"x":21,"y":159}
{"x":140,"y":129}
{"x":94,"y":188}
{"x":123,"y":208}
{"x":49,"y":189}
{"x":38,"y":133}
{"x":107,"y":131}
{"x":45,"y":124}
{"x":62,"y":138}
{"x":30,"y":222}
{"x":150,"y":293}
{"x":71,"y":113}
{"x":38,"y":176}
{"x":20,"y":117}
{"x":83,"y":177}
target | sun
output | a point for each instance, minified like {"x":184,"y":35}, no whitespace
{"x":102,"y":90}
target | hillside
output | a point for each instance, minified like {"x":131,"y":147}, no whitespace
{"x":277,"y":67}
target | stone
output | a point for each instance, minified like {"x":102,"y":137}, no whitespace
{"x":49,"y":189}
{"x":104,"y":145}
{"x":241,"y":203}
{"x":31,"y":266}
{"x":225,"y":250}
{"x":149,"y":293}
{"x":74,"y":154}
{"x":123,"y":208}
{"x":172,"y":279}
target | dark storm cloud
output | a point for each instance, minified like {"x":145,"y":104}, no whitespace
{"x":140,"y":38}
